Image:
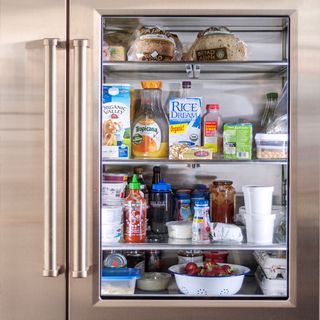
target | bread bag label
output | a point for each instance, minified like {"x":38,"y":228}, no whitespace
{"x":212,"y":54}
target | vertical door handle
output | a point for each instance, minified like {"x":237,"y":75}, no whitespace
{"x":80,"y":268}
{"x":50,"y":268}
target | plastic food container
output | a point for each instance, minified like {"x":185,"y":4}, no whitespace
{"x":112,"y":214}
{"x":154,"y":281}
{"x":209,"y":285}
{"x":111,"y":233}
{"x":119,"y":280}
{"x":113,"y":188}
{"x":271,"y":146}
{"x":179,"y":229}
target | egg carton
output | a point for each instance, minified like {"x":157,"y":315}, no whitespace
{"x":271,"y":287}
{"x":274,"y":267}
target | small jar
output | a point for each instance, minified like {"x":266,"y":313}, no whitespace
{"x":222,"y":198}
{"x":186,"y":256}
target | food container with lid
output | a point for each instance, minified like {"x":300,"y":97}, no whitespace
{"x":154,"y":281}
{"x":119,"y":280}
{"x":111,"y":232}
{"x":113,"y":188}
{"x":186,"y":256}
{"x":112,"y":214}
{"x":179,"y":229}
{"x":271,"y":146}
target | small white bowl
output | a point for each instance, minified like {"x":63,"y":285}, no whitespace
{"x":154,"y":281}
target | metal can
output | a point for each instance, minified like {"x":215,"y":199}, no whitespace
{"x":116,"y":260}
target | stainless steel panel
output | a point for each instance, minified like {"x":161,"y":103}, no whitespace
{"x":25,"y":293}
{"x":305,"y":71}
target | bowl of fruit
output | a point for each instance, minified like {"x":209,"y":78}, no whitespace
{"x":209,"y":279}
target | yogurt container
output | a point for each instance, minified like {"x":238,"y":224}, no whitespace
{"x":179,"y":229}
{"x":113,"y":188}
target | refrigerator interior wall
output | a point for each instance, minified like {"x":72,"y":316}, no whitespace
{"x":239,"y":88}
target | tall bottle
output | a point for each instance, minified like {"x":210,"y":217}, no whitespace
{"x":201,"y":222}
{"x":156,"y":175}
{"x":212,"y":129}
{"x":186,"y":86}
{"x":143,"y":186}
{"x":150,"y":127}
{"x":135,"y":214}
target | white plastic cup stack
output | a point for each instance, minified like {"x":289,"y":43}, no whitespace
{"x":258,"y":216}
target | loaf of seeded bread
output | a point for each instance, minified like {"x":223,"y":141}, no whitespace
{"x":218,"y":43}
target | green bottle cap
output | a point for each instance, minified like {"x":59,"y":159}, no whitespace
{"x":272,"y":95}
{"x":134,"y":184}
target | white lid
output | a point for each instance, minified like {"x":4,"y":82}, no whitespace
{"x":272,"y":136}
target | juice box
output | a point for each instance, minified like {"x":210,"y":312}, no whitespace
{"x":237,"y":141}
{"x":116,"y":131}
{"x":184,"y":122}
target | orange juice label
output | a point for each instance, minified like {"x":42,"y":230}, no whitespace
{"x":146,"y":136}
{"x":210,"y":128}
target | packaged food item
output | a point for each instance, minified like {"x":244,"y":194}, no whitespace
{"x":183,"y":206}
{"x":272,"y":146}
{"x":201,"y":222}
{"x":222,"y":201}
{"x":225,"y":232}
{"x":135,"y":214}
{"x":237,"y":141}
{"x":216,"y":256}
{"x":116,"y":136}
{"x":152,"y":44}
{"x":186,"y":256}
{"x":115,"y":46}
{"x":180,"y":229}
{"x":111,"y":224}
{"x":218,"y":43}
{"x":150,"y":127}
{"x":112,"y":214}
{"x":183,"y":151}
{"x":119,"y":280}
{"x":161,"y":207}
{"x":184,"y":120}
{"x":113,"y":188}
{"x":212,"y":129}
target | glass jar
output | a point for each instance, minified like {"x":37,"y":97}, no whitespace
{"x":222,"y":197}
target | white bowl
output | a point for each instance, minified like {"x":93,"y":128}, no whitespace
{"x":154,"y":281}
{"x":209,"y":285}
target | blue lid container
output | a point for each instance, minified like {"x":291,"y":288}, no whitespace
{"x":162,"y":186}
{"x":120,"y":273}
{"x":201,"y":203}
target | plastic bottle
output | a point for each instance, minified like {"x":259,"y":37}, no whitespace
{"x":150,"y":127}
{"x":135,"y":214}
{"x":183,"y":207}
{"x":201,"y":222}
{"x":161,"y":207}
{"x":212,"y":125}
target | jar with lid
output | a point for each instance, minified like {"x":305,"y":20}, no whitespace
{"x":185,"y":256}
{"x":222,"y":195}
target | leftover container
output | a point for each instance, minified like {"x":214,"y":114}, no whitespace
{"x":113,"y":188}
{"x":119,"y":280}
{"x":271,"y":146}
{"x":154,"y":281}
{"x":180,"y":229}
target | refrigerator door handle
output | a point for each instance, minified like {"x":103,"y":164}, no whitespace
{"x":80,"y":268}
{"x":50,"y":268}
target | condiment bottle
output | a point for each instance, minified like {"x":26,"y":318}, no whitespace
{"x":135,"y":214}
{"x":183,"y":208}
{"x":201,"y":222}
{"x":212,"y":125}
{"x":156,"y":175}
{"x":143,"y":185}
{"x":150,"y":127}
{"x":222,"y":201}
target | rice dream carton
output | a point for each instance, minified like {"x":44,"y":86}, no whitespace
{"x":237,"y":141}
{"x":116,"y":132}
{"x":184,"y":122}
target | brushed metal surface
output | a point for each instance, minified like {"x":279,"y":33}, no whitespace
{"x":24,"y":292}
{"x":304,"y":180}
{"x":80,"y":160}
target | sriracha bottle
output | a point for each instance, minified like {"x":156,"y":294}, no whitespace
{"x":135,"y":214}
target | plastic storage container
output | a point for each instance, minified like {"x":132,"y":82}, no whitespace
{"x":271,"y":146}
{"x":119,"y":280}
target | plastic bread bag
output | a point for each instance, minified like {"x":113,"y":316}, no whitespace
{"x":115,"y":46}
{"x":279,"y":125}
{"x":178,"y":49}
{"x":218,"y":43}
{"x":225,"y":232}
{"x":152,"y":44}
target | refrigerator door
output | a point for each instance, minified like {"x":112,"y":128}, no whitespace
{"x":85,"y":299}
{"x":32,"y":160}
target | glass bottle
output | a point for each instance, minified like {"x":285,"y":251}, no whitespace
{"x":222,"y":201}
{"x":186,"y":88}
{"x":135,"y":214}
{"x":156,"y":175}
{"x":150,"y":127}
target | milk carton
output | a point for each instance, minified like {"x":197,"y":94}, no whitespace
{"x":116,"y":132}
{"x":184,"y":123}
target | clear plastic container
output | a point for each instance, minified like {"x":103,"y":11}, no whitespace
{"x":271,"y":146}
{"x":119,"y":280}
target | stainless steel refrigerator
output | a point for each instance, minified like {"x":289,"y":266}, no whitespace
{"x":51,"y":166}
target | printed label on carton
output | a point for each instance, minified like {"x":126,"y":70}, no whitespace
{"x":116,"y":135}
{"x":185,"y":121}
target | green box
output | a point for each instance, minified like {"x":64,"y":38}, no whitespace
{"x":237,"y":141}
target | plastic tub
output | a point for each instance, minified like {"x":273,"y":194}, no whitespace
{"x":271,"y":146}
{"x":119,"y":280}
{"x":179,"y":229}
{"x":111,"y":233}
{"x":260,"y":228}
{"x":112,"y":214}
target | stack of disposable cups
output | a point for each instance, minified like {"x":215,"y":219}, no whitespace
{"x":258,"y":216}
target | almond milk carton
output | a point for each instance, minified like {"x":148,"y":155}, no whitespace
{"x":184,"y":123}
{"x":116,"y":131}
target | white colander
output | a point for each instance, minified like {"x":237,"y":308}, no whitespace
{"x":209,"y":285}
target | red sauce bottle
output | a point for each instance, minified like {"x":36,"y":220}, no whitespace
{"x":135,"y":214}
